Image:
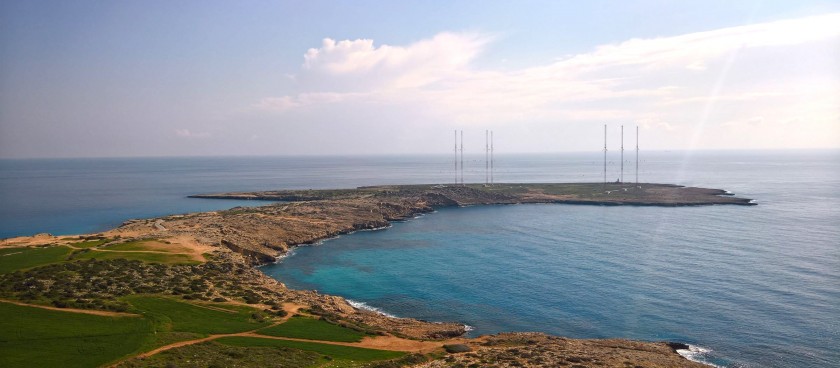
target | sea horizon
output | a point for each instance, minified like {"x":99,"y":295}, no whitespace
{"x":630,"y":150}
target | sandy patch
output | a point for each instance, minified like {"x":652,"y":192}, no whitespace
{"x":27,"y":241}
{"x":193,"y":244}
{"x":184,"y":245}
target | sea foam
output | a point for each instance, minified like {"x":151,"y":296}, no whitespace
{"x":364,"y":306}
{"x":696,"y":354}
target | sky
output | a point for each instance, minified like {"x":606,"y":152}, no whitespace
{"x":215,"y":78}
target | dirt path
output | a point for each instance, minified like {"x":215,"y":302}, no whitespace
{"x":291,"y":309}
{"x":175,"y":345}
{"x":391,"y":343}
{"x":73,"y":310}
{"x":138,"y":251}
{"x":214,"y":308}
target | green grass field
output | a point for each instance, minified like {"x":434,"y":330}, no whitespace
{"x":212,"y":354}
{"x":14,"y":259}
{"x":178,"y":316}
{"x":35,"y":337}
{"x":135,"y":245}
{"x":31,"y":336}
{"x":313,"y":329}
{"x":165,"y":258}
{"x":336,"y":352}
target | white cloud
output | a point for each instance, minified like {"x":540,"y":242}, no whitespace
{"x":360,"y":64}
{"x":186,"y":133}
{"x":284,"y":103}
{"x":700,"y":81}
{"x":696,"y":47}
{"x":277,"y":103}
{"x":697,"y":65}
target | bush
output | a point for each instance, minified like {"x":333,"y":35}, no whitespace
{"x":252,"y":299}
{"x":457,"y":348}
{"x":278,"y":313}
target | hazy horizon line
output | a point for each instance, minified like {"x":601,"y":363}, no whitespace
{"x":627,"y":149}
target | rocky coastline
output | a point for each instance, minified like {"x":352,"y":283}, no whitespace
{"x":308,"y":216}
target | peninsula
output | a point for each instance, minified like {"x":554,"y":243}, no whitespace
{"x":309,"y":216}
{"x":183,"y":286}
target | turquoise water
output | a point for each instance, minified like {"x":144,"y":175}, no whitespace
{"x":756,"y":286}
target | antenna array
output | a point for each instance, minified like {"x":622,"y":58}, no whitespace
{"x":621,"y":176}
{"x":456,"y":156}
{"x":462,"y":157}
{"x":637,"y":155}
{"x":605,"y":156}
{"x":486,"y":157}
{"x":492,"y":161}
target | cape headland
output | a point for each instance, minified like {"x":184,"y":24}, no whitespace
{"x":308,"y":216}
{"x":158,"y":268}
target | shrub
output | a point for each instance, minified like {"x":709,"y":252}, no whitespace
{"x":457,"y":348}
{"x":252,"y":299}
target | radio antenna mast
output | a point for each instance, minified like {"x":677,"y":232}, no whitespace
{"x":456,"y":156}
{"x":621,"y":176}
{"x":605,"y":156}
{"x":637,"y":155}
{"x":462,"y":157}
{"x":486,"y":157}
{"x":491,"y":158}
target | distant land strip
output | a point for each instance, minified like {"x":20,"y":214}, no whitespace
{"x":644,"y":194}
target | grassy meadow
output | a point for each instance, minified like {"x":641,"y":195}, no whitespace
{"x":164,"y":258}
{"x":31,"y":336}
{"x":14,"y":259}
{"x":207,"y":318}
{"x":313,"y":329}
{"x":347,"y":354}
{"x":35,"y":337}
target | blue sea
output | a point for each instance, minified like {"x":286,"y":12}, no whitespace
{"x":746,"y":286}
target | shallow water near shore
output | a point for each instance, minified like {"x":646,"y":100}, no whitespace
{"x":756,"y":286}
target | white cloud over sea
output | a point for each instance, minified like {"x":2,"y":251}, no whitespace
{"x":186,"y":133}
{"x":714,"y":88}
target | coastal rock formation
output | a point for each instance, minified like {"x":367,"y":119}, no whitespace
{"x":308,"y":216}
